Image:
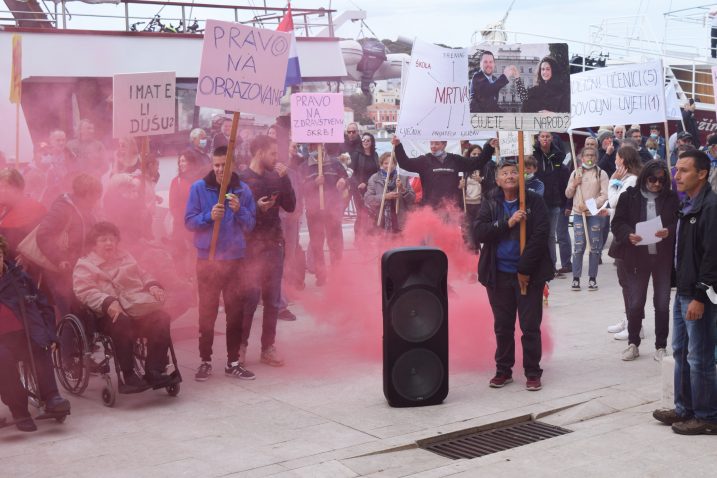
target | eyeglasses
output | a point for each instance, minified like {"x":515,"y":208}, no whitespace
{"x":351,"y":131}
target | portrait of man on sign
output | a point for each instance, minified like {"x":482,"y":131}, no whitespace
{"x":486,"y":86}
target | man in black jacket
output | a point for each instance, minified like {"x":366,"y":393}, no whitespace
{"x":694,"y":315}
{"x":270,"y":184}
{"x":485,"y":86}
{"x":554,"y":175}
{"x":439,"y":170}
{"x":504,"y":270}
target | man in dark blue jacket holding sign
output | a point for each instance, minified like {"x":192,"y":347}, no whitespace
{"x":224,"y":273}
{"x":504,"y":271}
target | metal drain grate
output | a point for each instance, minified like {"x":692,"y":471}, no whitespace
{"x":484,"y":442}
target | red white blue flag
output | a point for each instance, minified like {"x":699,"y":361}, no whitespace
{"x":293,"y":73}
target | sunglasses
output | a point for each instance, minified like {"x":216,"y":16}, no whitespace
{"x":351,"y":132}
{"x":655,"y":179}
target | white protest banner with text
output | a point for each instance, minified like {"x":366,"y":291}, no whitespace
{"x":243,"y":68}
{"x":435,"y":100}
{"x":143,"y":104}
{"x":625,"y":94}
{"x":317,"y":118}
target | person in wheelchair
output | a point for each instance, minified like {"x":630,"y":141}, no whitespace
{"x":129,"y":304}
{"x":27,"y":320}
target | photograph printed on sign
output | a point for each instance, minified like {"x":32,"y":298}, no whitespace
{"x":520,"y":87}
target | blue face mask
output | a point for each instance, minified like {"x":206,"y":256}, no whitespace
{"x":653,"y":136}
{"x":529,"y":176}
{"x":437,"y":154}
{"x":652,"y":152}
{"x":494,"y":158}
{"x":203,"y":143}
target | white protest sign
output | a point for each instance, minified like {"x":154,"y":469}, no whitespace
{"x":143,"y":104}
{"x":317,"y":118}
{"x":435,"y":101}
{"x":624,"y":94}
{"x":243,"y":68}
{"x":508,"y":143}
{"x":672,"y":103}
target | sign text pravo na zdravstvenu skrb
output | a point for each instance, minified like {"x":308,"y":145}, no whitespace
{"x":312,"y":122}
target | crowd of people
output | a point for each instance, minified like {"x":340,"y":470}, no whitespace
{"x":80,"y":232}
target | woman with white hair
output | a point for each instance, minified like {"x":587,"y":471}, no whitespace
{"x":198,"y":144}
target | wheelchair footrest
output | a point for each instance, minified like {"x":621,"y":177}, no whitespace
{"x":51,"y":416}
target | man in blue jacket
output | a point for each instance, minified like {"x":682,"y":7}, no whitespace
{"x":225,"y":272}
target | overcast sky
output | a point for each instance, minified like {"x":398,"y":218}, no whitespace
{"x":453,"y":22}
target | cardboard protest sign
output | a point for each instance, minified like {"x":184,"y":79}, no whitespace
{"x":317,"y":118}
{"x":508,"y":143}
{"x":243,"y":68}
{"x":435,"y":98}
{"x":520,"y":87}
{"x":143,"y":104}
{"x":624,"y":94}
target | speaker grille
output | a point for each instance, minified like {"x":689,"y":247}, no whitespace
{"x":417,"y":374}
{"x":417,"y":314}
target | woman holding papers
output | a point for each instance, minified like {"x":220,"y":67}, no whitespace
{"x":627,"y":167}
{"x":588,"y":188}
{"x":649,"y":201}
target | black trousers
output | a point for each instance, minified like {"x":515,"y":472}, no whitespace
{"x":215,"y":278}
{"x":506,"y":301}
{"x":660,"y":269}
{"x":125,"y":330}
{"x":13,"y":349}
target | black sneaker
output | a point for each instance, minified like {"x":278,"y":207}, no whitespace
{"x":237,"y":371}
{"x":576,"y":285}
{"x":592,"y":285}
{"x":565,"y":270}
{"x":203,"y":372}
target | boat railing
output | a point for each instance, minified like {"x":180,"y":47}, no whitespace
{"x":142,"y":16}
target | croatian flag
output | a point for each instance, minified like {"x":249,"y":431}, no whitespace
{"x":293,"y":74}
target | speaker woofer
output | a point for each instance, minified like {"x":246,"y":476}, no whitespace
{"x":417,"y":374}
{"x":417,"y":314}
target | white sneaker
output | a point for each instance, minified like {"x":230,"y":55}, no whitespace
{"x":624,"y":334}
{"x":630,"y":353}
{"x":660,"y":354}
{"x":619,"y":327}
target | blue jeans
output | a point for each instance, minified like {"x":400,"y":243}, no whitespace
{"x":693,"y":344}
{"x":595,"y":224}
{"x":553,"y":216}
{"x":564,"y":243}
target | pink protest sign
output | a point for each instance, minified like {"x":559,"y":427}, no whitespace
{"x":143,"y":104}
{"x":317,"y":118}
{"x":243,"y":68}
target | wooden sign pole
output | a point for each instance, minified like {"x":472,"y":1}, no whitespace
{"x":521,"y":197}
{"x":321,"y":174}
{"x":225,"y":181}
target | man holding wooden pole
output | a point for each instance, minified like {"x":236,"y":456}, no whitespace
{"x":514,"y":268}
{"x":219,"y":228}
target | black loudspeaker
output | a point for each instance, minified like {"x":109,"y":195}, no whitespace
{"x":415,"y":326}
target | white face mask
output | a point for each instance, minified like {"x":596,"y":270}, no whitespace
{"x":529,"y":176}
{"x":494,"y":158}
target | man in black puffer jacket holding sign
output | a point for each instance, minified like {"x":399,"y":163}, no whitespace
{"x":504,"y":270}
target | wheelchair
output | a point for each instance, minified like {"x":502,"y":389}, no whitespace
{"x":74,"y":360}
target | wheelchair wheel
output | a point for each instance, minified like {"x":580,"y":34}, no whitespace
{"x":70,"y":358}
{"x":173,"y":390}
{"x":109,"y":396}
{"x":29,"y":384}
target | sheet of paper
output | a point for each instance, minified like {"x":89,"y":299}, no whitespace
{"x":712,"y":295}
{"x":646,"y":230}
{"x":592,"y":206}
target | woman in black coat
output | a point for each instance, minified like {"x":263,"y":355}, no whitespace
{"x":651,"y":197}
{"x":364,"y":163}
